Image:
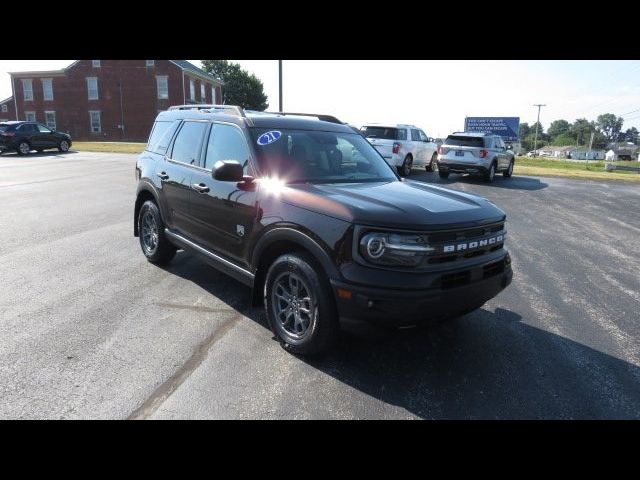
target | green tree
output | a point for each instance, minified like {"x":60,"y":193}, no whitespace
{"x":631,"y":135}
{"x":524,"y":130}
{"x":581,"y":130}
{"x":609,"y":125}
{"x":557,"y":128}
{"x":564,"y":140}
{"x":240,"y":87}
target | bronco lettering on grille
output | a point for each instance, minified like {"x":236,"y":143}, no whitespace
{"x":456,"y":247}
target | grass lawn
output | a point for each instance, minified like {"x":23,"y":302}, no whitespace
{"x":561,"y":168}
{"x":115,"y":147}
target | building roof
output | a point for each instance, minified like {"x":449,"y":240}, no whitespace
{"x":6,"y":100}
{"x":555,"y":148}
{"x":190,"y":67}
{"x":183,"y":64}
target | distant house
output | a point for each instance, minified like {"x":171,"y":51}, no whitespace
{"x":573,"y":153}
{"x":625,"y":151}
{"x":7,"y":109}
{"x":111,"y":100}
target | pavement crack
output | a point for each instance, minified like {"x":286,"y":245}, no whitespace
{"x":166,"y":389}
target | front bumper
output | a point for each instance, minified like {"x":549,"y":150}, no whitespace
{"x":457,"y":292}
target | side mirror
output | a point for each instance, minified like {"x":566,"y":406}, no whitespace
{"x":227,"y":171}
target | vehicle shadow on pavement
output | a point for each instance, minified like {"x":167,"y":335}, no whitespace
{"x":46,"y":153}
{"x":484,"y":365}
{"x":513,"y":183}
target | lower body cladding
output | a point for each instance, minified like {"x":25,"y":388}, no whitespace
{"x":453,"y":293}
{"x":462,"y":168}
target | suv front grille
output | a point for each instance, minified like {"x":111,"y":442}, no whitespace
{"x":465,"y":235}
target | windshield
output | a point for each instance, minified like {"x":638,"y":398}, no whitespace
{"x":3,"y":127}
{"x":386,"y":133}
{"x":301,"y":156}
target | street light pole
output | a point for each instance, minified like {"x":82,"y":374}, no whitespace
{"x":280,"y":85}
{"x":535,"y":142}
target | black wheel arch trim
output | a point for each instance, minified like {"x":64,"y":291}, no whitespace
{"x":144,"y":186}
{"x":290,"y":234}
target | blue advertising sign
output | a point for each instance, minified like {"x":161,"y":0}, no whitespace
{"x":506,"y":127}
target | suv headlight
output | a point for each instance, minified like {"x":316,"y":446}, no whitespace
{"x":386,"y":248}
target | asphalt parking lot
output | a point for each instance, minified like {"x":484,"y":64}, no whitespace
{"x":90,"y":329}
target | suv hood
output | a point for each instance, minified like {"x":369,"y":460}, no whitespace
{"x":404,"y":204}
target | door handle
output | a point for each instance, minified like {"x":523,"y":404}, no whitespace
{"x":163,"y":175}
{"x":200,"y":187}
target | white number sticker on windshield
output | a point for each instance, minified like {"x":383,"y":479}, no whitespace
{"x":269,"y":137}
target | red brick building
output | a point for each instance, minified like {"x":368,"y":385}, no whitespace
{"x":108,"y":100}
{"x":7,"y":109}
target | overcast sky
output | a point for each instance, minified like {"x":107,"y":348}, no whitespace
{"x":436,"y":95}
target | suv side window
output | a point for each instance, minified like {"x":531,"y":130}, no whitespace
{"x":415,"y":135}
{"x":227,"y":142}
{"x":27,"y":128}
{"x":43,"y":129}
{"x":402,"y":134}
{"x":186,"y":147}
{"x":423,"y":136}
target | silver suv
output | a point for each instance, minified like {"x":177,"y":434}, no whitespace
{"x":477,"y":153}
{"x":402,"y":146}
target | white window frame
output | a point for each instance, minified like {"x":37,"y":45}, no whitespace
{"x":91,"y":113}
{"x":203,"y":92}
{"x":30,"y":114}
{"x":51,"y":125}
{"x":162,"y":95}
{"x":4,"y":108}
{"x":150,"y":63}
{"x":47,"y":81}
{"x":89,"y":79}
{"x":192,"y":89}
{"x":213,"y":95}
{"x":95,"y":63}
{"x":25,"y":82}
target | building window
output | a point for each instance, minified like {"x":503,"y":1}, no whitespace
{"x":213,"y":95}
{"x":150,"y":63}
{"x":30,"y":116}
{"x":192,"y":89}
{"x":95,"y":63}
{"x":203,"y":94}
{"x":4,"y":108}
{"x":50,"y":119}
{"x":92,"y":88}
{"x":47,"y":88}
{"x":162,"y":82}
{"x":94,"y":117}
{"x":27,"y":88}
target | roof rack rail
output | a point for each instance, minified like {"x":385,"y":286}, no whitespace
{"x":321,"y":117}
{"x":231,"y":109}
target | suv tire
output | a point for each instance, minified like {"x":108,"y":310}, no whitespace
{"x":433,"y":164}
{"x":299,"y":305}
{"x":23,"y":148}
{"x":509,"y":171}
{"x":63,"y":146}
{"x":405,"y":169}
{"x":153,"y":241}
{"x":443,"y":173}
{"x":491,"y":173}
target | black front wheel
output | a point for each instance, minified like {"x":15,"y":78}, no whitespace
{"x":433,"y":164}
{"x":299,"y":305}
{"x":509,"y":171}
{"x":63,"y":146}
{"x":153,"y":241}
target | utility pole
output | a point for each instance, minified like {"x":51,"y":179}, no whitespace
{"x":280,"y":85}
{"x":535,"y":142}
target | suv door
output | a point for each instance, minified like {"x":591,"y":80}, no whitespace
{"x":429,"y":148}
{"x":222,"y":214}
{"x":503,"y":157}
{"x":46,"y":138}
{"x":417,"y":147}
{"x":29,"y":132}
{"x":175,"y":173}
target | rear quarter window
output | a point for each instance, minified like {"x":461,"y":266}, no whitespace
{"x":464,"y":141}
{"x":386,"y":133}
{"x":161,"y":135}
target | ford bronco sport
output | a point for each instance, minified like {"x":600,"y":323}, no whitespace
{"x":307,"y":213}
